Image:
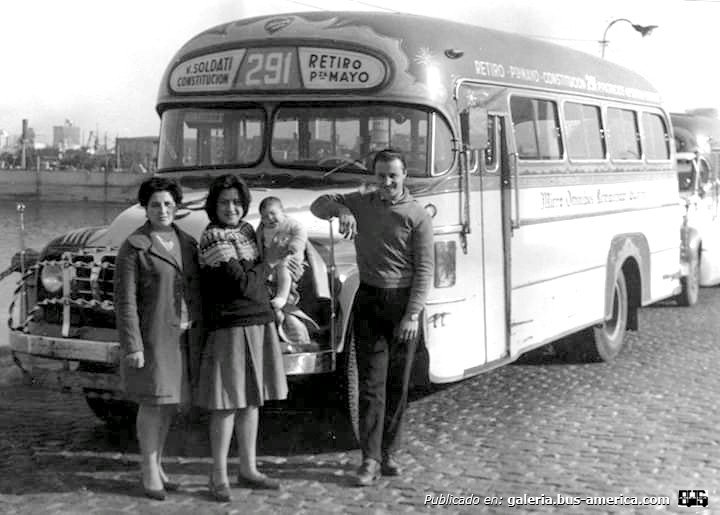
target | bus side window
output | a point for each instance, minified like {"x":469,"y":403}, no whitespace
{"x":583,"y":131}
{"x":536,"y":128}
{"x":656,"y":140}
{"x":624,"y":141}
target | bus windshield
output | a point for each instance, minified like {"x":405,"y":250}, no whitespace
{"x":328,"y":137}
{"x":194,"y":137}
{"x":313,"y":137}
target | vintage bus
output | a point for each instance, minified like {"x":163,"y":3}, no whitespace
{"x":549,"y":175}
{"x":697,"y":142}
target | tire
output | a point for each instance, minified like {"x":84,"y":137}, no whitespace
{"x":690,"y":284}
{"x":608,"y":337}
{"x":113,"y":412}
{"x":349,"y":383}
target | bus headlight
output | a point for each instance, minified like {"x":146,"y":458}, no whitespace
{"x":445,"y":259}
{"x":51,"y":277}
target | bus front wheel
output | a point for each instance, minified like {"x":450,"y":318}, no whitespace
{"x":349,"y":381}
{"x":113,"y":412}
{"x":609,"y":336}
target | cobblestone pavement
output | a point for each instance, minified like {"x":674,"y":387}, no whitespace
{"x":645,"y":425}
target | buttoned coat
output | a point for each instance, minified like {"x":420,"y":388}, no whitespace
{"x":149,"y":287}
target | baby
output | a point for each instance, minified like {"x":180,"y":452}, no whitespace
{"x":281,"y":236}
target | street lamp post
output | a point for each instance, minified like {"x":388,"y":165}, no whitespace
{"x":644,"y":30}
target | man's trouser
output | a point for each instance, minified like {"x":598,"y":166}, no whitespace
{"x":384,"y":366}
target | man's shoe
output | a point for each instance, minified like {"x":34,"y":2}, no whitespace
{"x":368,"y":473}
{"x":389,"y":466}
{"x":261,"y":482}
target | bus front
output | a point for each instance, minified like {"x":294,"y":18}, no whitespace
{"x":297,"y":107}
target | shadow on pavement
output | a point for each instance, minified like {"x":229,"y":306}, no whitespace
{"x":566,"y":351}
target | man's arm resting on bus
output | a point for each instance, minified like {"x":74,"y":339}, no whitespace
{"x":329,"y":206}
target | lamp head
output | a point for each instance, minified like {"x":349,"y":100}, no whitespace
{"x":644,"y":30}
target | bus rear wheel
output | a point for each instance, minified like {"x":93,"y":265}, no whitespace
{"x":690,"y":284}
{"x":609,"y":336}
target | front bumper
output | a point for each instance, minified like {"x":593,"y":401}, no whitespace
{"x":54,"y":362}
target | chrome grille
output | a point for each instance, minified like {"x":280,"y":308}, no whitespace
{"x":87,"y":296}
{"x":93,"y":277}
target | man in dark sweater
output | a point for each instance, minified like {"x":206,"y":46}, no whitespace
{"x":394,"y":246}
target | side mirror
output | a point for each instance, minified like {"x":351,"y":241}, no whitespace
{"x":474,"y":127}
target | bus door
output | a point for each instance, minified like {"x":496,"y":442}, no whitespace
{"x":484,"y":218}
{"x":491,"y":218}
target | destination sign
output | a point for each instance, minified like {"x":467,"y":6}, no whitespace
{"x":324,"y":68}
{"x":273,"y":68}
{"x":214,"y":72}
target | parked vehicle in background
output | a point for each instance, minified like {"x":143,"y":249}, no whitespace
{"x":697,"y":139}
{"x":549,"y":175}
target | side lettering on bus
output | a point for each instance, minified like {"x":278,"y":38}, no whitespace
{"x":551,"y":79}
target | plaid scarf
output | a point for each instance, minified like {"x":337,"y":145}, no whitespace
{"x":218,"y":244}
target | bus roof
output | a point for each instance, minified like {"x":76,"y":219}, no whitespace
{"x":422,"y":57}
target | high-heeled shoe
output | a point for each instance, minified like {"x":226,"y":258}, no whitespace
{"x":261,"y":482}
{"x":221,"y":492}
{"x":155,"y":495}
{"x":171,"y":486}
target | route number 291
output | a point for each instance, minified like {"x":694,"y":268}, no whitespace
{"x":268,"y":68}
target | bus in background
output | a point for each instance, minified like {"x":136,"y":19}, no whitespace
{"x":697,"y":141}
{"x":549,"y":175}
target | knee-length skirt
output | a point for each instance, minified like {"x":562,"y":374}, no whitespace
{"x":241,"y":367}
{"x":165,"y":377}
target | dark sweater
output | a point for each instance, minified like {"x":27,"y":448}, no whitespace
{"x":235,"y":292}
{"x":394,"y":242}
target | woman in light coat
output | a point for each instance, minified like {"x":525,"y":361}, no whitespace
{"x":159,"y":314}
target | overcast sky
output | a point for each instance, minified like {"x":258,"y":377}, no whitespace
{"x":99,"y":62}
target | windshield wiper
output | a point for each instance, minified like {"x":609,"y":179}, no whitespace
{"x":350,"y":162}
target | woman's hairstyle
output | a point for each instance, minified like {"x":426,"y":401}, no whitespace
{"x":154,"y":184}
{"x":267,"y":202}
{"x":387,"y":155}
{"x":226,"y":182}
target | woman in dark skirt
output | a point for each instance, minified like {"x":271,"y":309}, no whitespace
{"x":158,"y":311}
{"x":241,"y":364}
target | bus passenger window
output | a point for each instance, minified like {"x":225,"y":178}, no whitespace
{"x":623,"y":137}
{"x":536,"y":127}
{"x":583,"y":131}
{"x":656,"y":140}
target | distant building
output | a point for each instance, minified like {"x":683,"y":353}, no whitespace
{"x":4,"y":139}
{"x":66,"y":136}
{"x":137,"y":154}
